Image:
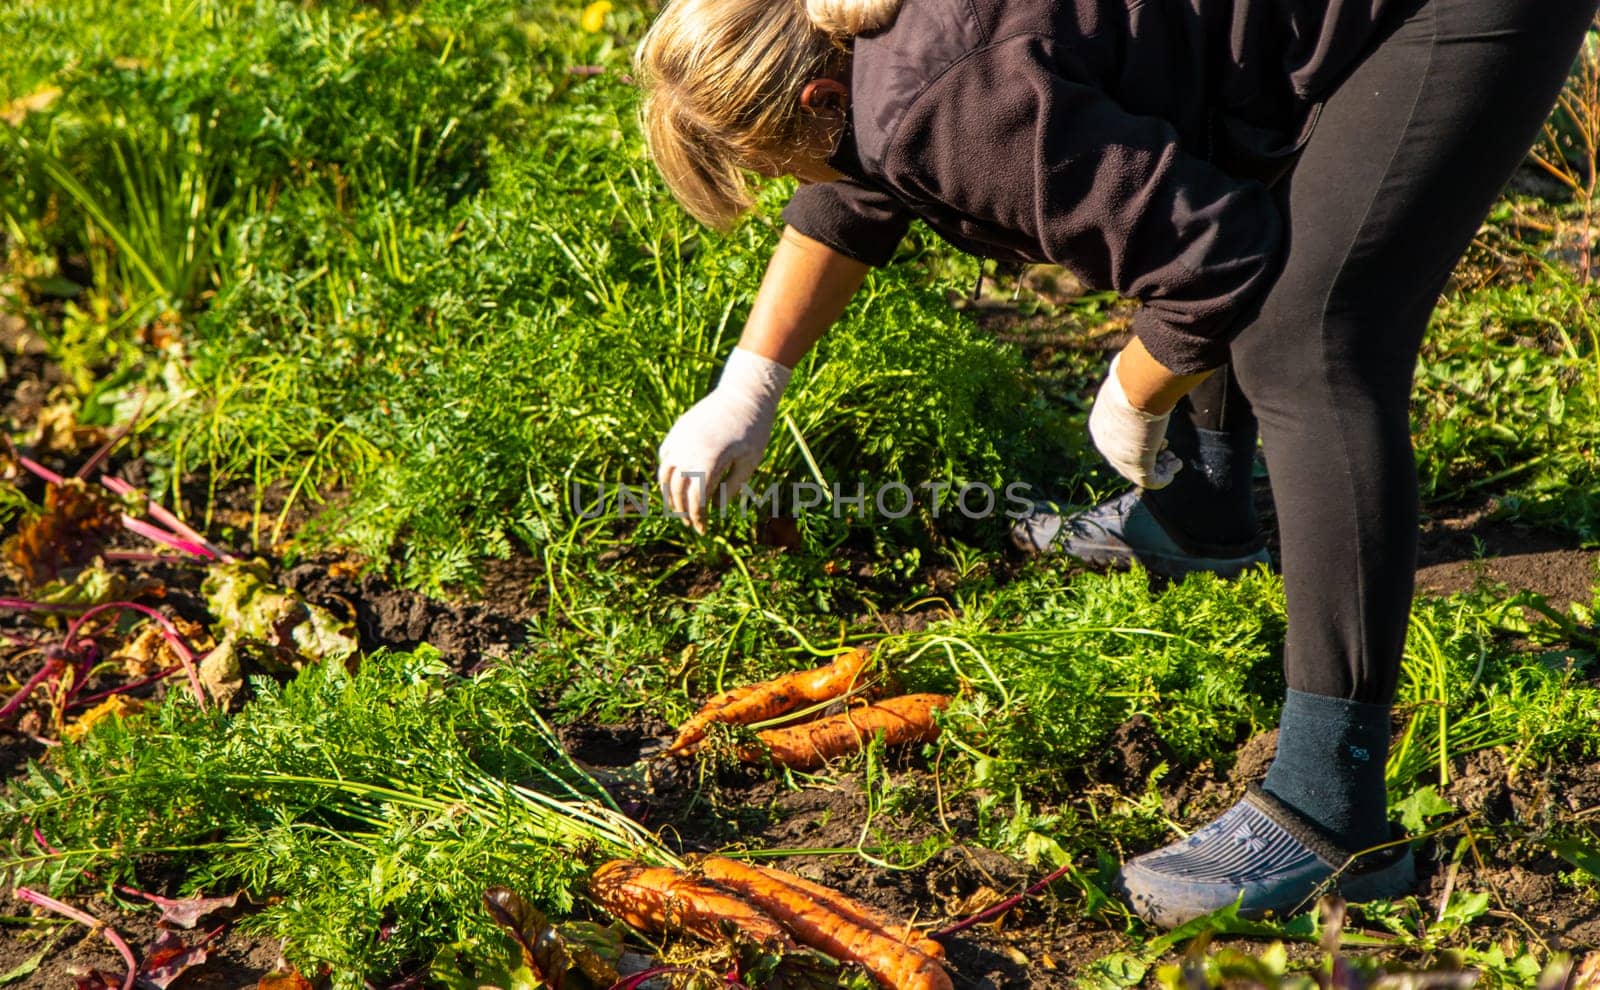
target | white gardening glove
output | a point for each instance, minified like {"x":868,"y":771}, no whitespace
{"x":723,"y":436}
{"x":1132,"y":440}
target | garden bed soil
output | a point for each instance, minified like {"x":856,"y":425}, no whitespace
{"x":1044,"y":942}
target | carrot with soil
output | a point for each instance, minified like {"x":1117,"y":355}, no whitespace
{"x":658,"y":899}
{"x":905,"y":719}
{"x":718,"y":868}
{"x":768,"y":699}
{"x":892,"y":963}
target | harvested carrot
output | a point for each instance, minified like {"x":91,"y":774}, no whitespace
{"x":657,"y":899}
{"x":894,"y":964}
{"x":769,"y":699}
{"x":906,"y":719}
{"x":717,"y":868}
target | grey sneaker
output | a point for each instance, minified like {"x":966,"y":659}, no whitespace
{"x":1122,"y":532}
{"x":1264,"y":855}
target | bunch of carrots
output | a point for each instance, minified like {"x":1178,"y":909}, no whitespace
{"x":775,"y":908}
{"x":808,"y":745}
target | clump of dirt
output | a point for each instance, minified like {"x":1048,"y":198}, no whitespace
{"x":1134,"y":750}
{"x":469,"y":633}
{"x":233,"y":960}
{"x":1214,"y":786}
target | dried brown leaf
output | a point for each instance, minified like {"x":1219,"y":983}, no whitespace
{"x":186,"y":912}
{"x":70,"y":532}
{"x":149,"y":652}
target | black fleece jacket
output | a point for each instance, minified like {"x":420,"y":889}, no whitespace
{"x":1130,"y":141}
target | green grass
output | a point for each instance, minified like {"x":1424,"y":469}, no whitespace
{"x":1508,"y":398}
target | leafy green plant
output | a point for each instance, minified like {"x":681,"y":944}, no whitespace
{"x":1508,"y":398}
{"x":1466,"y":689}
{"x":1053,"y":668}
{"x":372,"y":807}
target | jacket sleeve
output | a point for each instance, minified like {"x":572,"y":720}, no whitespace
{"x":852,"y":218}
{"x":1004,"y":138}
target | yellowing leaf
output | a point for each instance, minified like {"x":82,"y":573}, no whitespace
{"x":593,"y":18}
{"x":116,"y":706}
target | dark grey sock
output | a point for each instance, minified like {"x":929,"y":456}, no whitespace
{"x":1211,"y":501}
{"x":1329,"y":767}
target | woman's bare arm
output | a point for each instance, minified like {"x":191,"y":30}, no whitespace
{"x":1148,"y":384}
{"x":805,"y":291}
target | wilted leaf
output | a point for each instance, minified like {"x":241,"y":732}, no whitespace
{"x":979,"y":900}
{"x":116,"y":706}
{"x":248,"y":607}
{"x":186,"y":912}
{"x":18,"y":109}
{"x":166,"y":960}
{"x":96,"y":980}
{"x":595,"y":949}
{"x":58,"y":428}
{"x":512,"y":913}
{"x":543,"y":950}
{"x":221,"y":673}
{"x":71,"y":531}
{"x":149,"y":652}
{"x":93,"y":585}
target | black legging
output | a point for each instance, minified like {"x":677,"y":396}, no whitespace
{"x":1407,"y":157}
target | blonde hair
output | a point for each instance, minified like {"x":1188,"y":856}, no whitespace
{"x":722,"y":82}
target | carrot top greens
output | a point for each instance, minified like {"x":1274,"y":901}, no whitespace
{"x":375,"y":807}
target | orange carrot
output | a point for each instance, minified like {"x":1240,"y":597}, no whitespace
{"x":906,"y":719}
{"x":656,"y":899}
{"x":892,"y":963}
{"x":716,"y":868}
{"x":769,"y":699}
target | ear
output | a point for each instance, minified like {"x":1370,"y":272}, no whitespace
{"x":821,"y":95}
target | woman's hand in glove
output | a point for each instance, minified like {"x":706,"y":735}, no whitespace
{"x":722,"y":437}
{"x":1131,"y":440}
{"x":1129,"y":420}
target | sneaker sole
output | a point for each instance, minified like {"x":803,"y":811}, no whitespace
{"x":1380,"y":885}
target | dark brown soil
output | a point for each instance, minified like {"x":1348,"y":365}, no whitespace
{"x":1518,"y":807}
{"x":469,"y":633}
{"x":1463,"y":547}
{"x":232,"y":960}
{"x":1045,"y":941}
